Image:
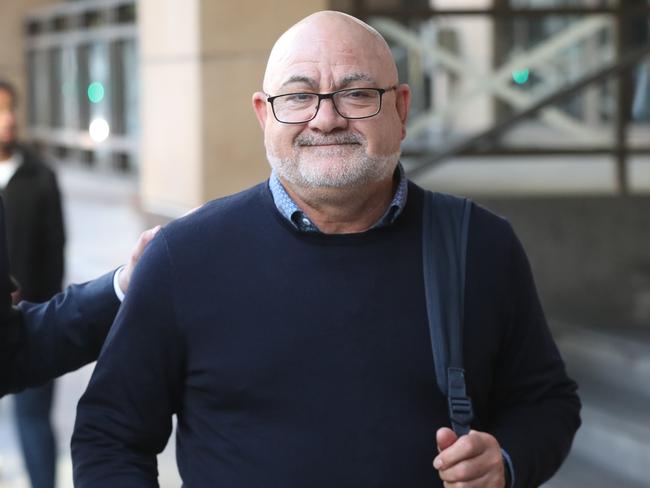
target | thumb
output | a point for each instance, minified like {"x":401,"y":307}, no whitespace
{"x":445,"y":437}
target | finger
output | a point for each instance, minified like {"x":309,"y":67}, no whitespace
{"x":142,"y":242}
{"x":445,"y":437}
{"x":468,"y":470}
{"x":145,"y":238}
{"x":191,"y":211}
{"x":466,"y":447}
{"x":482,"y":482}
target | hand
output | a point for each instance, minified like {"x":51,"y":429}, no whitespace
{"x":145,"y":238}
{"x":125,"y":275}
{"x":471,"y":461}
{"x":191,"y":211}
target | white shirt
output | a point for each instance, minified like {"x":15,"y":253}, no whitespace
{"x":116,"y":284}
{"x":8,"y":167}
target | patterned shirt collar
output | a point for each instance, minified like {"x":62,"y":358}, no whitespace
{"x":290,"y":210}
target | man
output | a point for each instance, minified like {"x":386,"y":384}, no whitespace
{"x":40,"y":341}
{"x":35,"y":236}
{"x":286,"y":326}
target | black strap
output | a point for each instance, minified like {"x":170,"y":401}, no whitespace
{"x":444,"y":247}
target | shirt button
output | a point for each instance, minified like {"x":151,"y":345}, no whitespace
{"x":306,"y":221}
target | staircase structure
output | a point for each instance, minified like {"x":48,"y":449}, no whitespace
{"x":574,"y":98}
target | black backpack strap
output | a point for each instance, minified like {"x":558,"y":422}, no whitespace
{"x":444,"y":247}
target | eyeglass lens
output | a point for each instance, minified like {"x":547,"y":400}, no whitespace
{"x":302,"y":107}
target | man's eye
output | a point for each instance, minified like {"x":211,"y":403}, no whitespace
{"x":358,"y":94}
{"x":299,"y":98}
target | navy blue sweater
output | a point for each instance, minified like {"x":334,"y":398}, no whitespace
{"x":304,"y":360}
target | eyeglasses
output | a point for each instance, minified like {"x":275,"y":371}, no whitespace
{"x":350,"y":103}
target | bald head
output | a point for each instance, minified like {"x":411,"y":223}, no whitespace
{"x":333,"y":42}
{"x":324,"y":53}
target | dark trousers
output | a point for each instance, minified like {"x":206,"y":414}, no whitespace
{"x":36,"y":435}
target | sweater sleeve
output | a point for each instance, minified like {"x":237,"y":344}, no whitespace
{"x":536,"y":408}
{"x":124,"y":418}
{"x":42,"y":341}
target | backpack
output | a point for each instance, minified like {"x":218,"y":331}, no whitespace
{"x":444,"y":248}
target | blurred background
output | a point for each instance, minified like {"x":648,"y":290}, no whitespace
{"x":538,"y":109}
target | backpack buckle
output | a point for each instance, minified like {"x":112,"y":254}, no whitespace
{"x":461,"y":411}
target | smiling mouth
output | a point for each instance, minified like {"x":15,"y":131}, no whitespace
{"x":333,"y":144}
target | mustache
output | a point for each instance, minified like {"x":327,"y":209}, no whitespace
{"x":319,"y":140}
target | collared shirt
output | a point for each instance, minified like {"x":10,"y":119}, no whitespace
{"x":294,"y":214}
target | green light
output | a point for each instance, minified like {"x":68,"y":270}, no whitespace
{"x":96,"y":92}
{"x":521,"y":76}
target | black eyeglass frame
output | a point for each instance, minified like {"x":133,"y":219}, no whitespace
{"x":325,"y":96}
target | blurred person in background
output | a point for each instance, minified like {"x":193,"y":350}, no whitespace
{"x":35,"y":242}
{"x":40,"y":341}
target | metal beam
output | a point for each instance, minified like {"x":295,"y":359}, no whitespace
{"x":68,"y":9}
{"x":534,"y":151}
{"x":531,"y":13}
{"x":494,"y":132}
{"x":81,"y":36}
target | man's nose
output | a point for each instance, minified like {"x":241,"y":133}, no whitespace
{"x":327,"y":119}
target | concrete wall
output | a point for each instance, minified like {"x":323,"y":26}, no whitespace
{"x":590,"y":255}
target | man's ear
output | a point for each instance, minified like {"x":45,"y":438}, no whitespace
{"x":260,"y":107}
{"x":403,"y":104}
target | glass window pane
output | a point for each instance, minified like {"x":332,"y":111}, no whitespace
{"x":69,"y":88}
{"x":131,"y":82}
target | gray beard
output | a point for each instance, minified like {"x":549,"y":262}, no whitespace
{"x":359,"y":170}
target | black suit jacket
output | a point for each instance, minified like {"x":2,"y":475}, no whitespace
{"x":7,"y":287}
{"x":41,"y":341}
{"x":34,"y":227}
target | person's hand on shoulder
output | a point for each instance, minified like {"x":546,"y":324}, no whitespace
{"x":125,"y":274}
{"x":124,"y":277}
